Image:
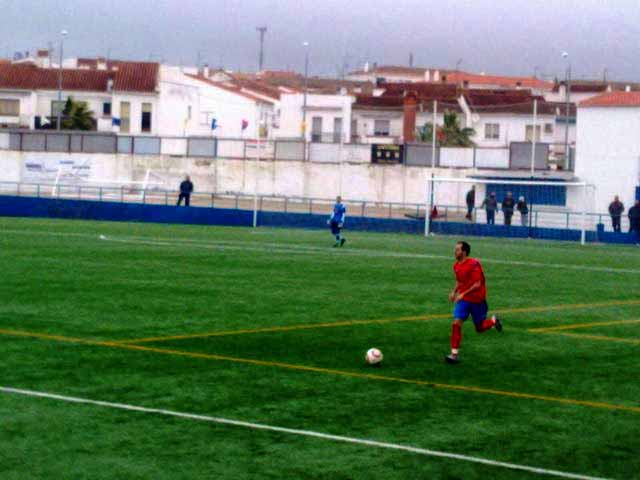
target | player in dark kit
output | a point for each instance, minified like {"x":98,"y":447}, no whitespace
{"x":470,"y":298}
{"x":336,"y":220}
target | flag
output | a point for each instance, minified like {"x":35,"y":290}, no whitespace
{"x":115,"y":122}
{"x":245,"y":124}
{"x":214,"y":124}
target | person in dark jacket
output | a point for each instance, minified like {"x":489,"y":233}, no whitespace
{"x":523,"y":208}
{"x":186,"y":188}
{"x":634,"y":219}
{"x":508,"y":206}
{"x":616,"y":209}
{"x":471,"y":202}
{"x":491,"y":205}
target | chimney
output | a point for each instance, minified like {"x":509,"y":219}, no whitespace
{"x":101,"y":63}
{"x":205,"y":70}
{"x":627,"y":88}
{"x":409,"y":118}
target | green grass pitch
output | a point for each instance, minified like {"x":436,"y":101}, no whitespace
{"x":270,"y":326}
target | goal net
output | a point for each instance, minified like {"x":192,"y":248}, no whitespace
{"x":510,"y":207}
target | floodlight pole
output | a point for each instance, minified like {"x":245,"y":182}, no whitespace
{"x":567,"y":87}
{"x":533,"y":138}
{"x":63,"y":34}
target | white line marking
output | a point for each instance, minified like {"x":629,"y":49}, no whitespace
{"x":285,"y":248}
{"x":305,"y":433}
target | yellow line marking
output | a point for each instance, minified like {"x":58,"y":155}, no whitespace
{"x":343,"y":373}
{"x":604,"y":338}
{"x":46,"y":336}
{"x":414,"y":318}
{"x":576,"y":326}
{"x":286,"y":328}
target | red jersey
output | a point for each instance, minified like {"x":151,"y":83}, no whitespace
{"x":468,"y":273}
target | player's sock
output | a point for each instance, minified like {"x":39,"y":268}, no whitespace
{"x":486,"y":325}
{"x":456,"y":338}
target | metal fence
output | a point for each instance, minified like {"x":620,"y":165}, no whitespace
{"x":539,"y":216}
{"x":515,"y":157}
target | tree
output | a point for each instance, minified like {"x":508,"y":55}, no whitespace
{"x":77,"y":116}
{"x":448,"y":135}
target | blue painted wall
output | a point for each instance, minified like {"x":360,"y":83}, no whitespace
{"x":11,"y":206}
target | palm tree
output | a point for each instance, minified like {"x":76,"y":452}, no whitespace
{"x":77,"y":116}
{"x":448,"y":135}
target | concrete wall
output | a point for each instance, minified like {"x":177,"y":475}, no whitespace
{"x":357,"y":181}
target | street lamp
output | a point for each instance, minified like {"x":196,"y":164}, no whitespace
{"x":567,"y":87}
{"x":304,"y":98}
{"x":63,"y":34}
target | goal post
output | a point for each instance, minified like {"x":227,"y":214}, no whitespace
{"x":519,"y":208}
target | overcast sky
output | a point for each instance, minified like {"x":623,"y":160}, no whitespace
{"x":495,"y":36}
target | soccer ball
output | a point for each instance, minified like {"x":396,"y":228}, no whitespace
{"x":373,"y":356}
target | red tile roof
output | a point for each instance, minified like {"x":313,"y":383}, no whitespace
{"x":29,"y":77}
{"x":583,"y":86}
{"x":369,"y":102}
{"x":507,"y":101}
{"x":423,"y":89}
{"x":613,"y":99}
{"x":503,"y":81}
{"x":129,"y":78}
{"x":228,"y":87}
{"x":136,"y":77}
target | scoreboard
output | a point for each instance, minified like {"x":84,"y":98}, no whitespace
{"x":386,"y":153}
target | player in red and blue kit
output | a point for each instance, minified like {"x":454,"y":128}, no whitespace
{"x":470,"y":298}
{"x":336,"y":220}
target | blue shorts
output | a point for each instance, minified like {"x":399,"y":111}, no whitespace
{"x":335,"y":229}
{"x":478,"y":311}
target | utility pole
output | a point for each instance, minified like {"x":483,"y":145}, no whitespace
{"x":262,"y":31}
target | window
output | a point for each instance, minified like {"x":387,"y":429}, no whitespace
{"x":316,"y":129}
{"x":146,"y":117}
{"x":381,"y":128}
{"x":57,"y":106}
{"x":9,"y":108}
{"x":106,"y":109}
{"x":125,"y":117}
{"x":548,"y":128}
{"x":354,"y":130}
{"x":492,"y":131}
{"x":529,"y":133}
{"x":337,"y":129}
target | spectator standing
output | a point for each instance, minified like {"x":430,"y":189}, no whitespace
{"x":471,"y":202}
{"x":523,"y":208}
{"x":508,"y":206}
{"x":491,"y":205}
{"x":616,"y":209}
{"x":634,"y":219}
{"x":186,"y":188}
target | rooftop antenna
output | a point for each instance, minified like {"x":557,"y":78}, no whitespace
{"x":262,"y":31}
{"x":411,"y":59}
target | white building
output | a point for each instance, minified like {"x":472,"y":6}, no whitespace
{"x":608,"y":146}
{"x":397,"y":74}
{"x":328,"y":117}
{"x":126,"y":95}
{"x":133,"y":98}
